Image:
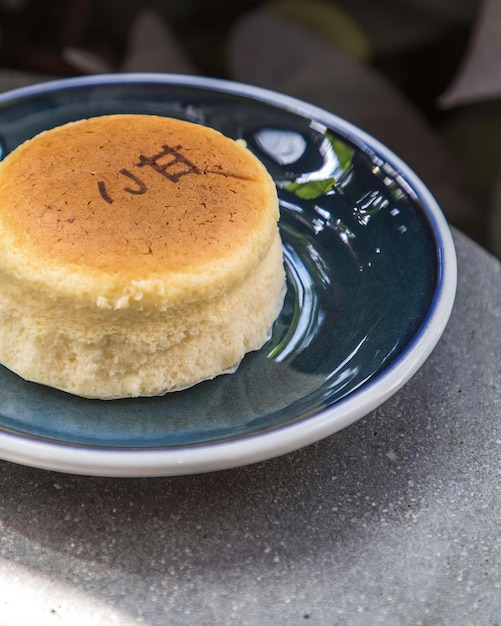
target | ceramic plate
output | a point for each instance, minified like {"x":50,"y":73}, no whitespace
{"x":371,"y":281}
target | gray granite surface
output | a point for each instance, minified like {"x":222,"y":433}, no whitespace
{"x":395,"y":520}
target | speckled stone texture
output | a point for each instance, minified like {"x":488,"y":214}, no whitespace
{"x":395,"y":520}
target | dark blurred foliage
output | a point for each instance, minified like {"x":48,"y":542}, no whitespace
{"x":34,"y":33}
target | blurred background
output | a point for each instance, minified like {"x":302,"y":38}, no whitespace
{"x":422,"y":76}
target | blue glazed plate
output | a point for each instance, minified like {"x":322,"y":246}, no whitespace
{"x":371,"y":282}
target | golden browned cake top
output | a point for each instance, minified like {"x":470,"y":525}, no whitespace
{"x":136,"y":196}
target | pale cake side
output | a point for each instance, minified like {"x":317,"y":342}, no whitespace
{"x":115,"y":353}
{"x":138,"y":254}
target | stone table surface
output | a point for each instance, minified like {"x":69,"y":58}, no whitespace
{"x":394,"y":520}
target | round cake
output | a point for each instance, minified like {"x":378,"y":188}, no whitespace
{"x":138,"y":255}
